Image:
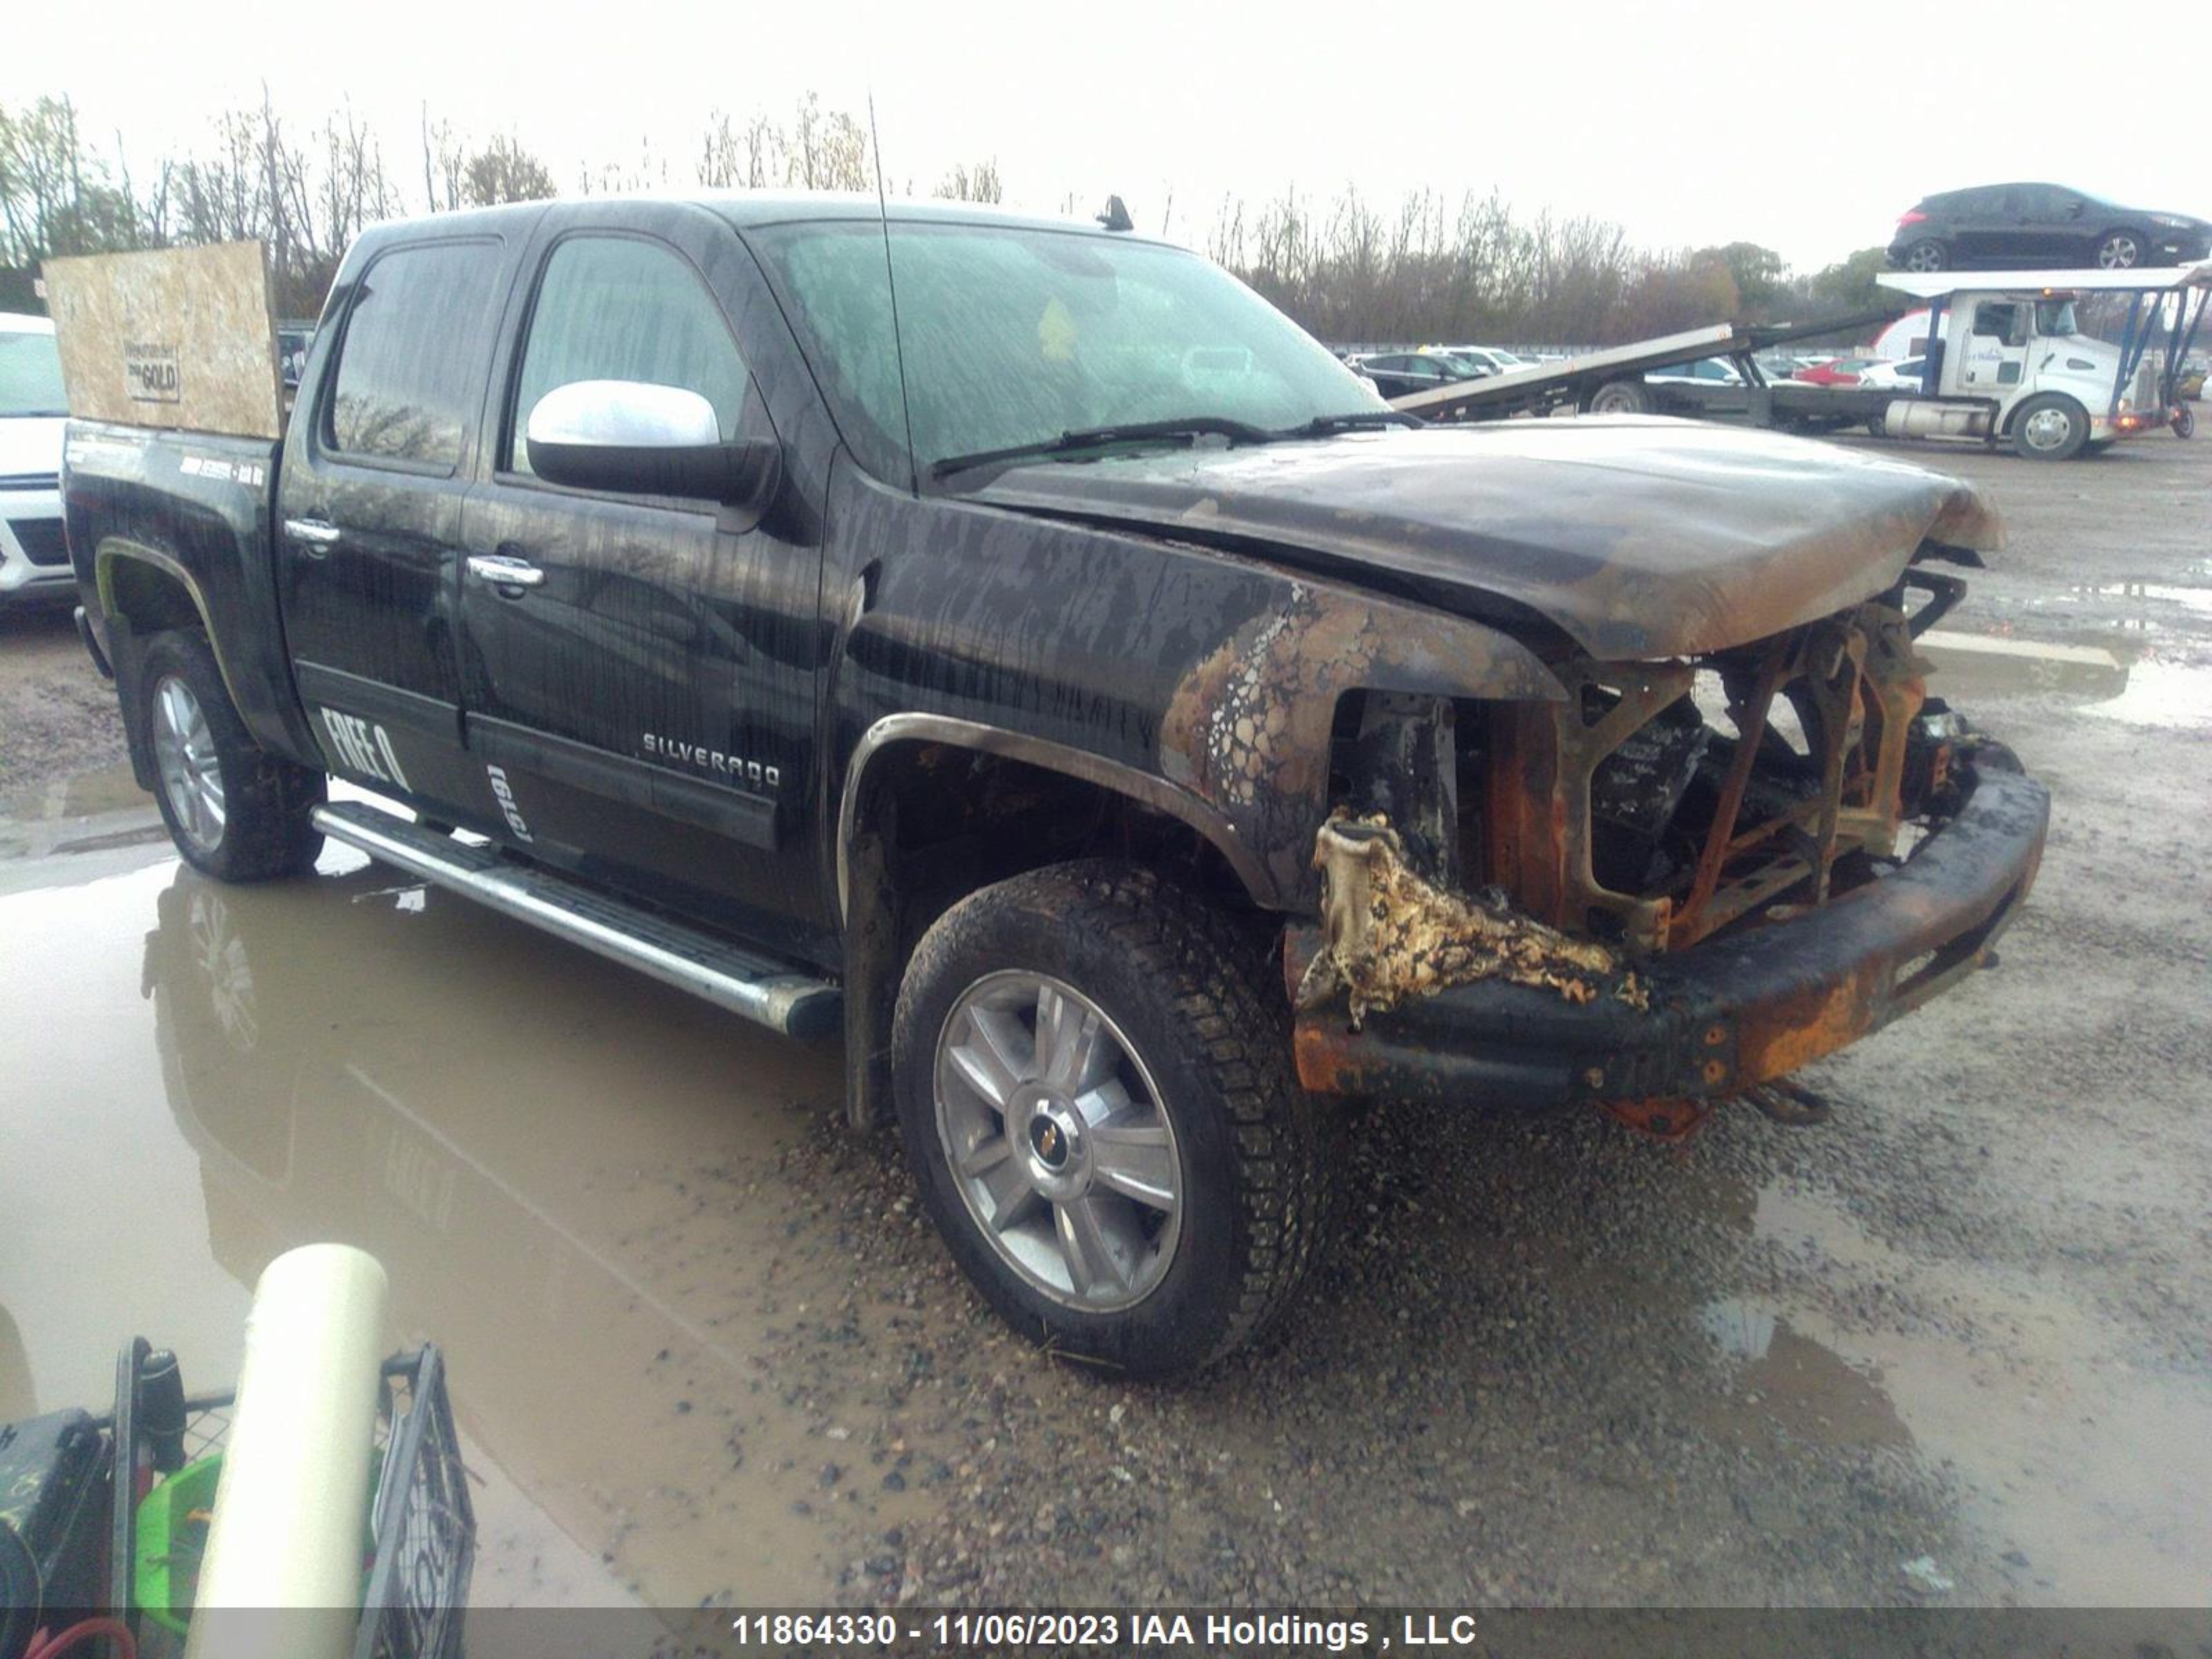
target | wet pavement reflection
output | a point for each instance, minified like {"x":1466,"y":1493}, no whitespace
{"x":523,"y":1136}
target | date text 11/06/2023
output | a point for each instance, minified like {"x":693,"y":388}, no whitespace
{"x":1213,"y":1631}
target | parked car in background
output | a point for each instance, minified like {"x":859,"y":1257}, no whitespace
{"x":1496,"y":359}
{"x":34,"y":554}
{"x":1838,"y":371}
{"x":1903,"y":376}
{"x":293,"y":340}
{"x":1711,"y":371}
{"x":2190,"y":381}
{"x":1398,"y":373}
{"x":2041,"y":225}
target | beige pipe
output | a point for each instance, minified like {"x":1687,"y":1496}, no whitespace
{"x":281,"y":1576}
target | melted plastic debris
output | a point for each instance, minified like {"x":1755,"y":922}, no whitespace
{"x":1390,"y":933}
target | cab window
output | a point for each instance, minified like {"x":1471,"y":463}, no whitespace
{"x":615,"y":308}
{"x":2000,"y":319}
{"x":408,"y":370}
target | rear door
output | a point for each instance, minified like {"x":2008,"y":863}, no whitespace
{"x":1985,"y":225}
{"x":371,"y":510}
{"x":646,"y":704}
{"x":2048,"y":230}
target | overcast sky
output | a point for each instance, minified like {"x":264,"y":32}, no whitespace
{"x":1807,"y":128}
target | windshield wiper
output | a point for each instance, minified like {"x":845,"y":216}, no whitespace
{"x":1184,"y":429}
{"x":1328,"y":425}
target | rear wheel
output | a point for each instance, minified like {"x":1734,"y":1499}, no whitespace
{"x":2119,"y":250}
{"x":1927,"y":254}
{"x":1622,"y":397}
{"x":1100,"y":1112}
{"x":234,"y":810}
{"x":2184,"y":421}
{"x":2051,"y":427}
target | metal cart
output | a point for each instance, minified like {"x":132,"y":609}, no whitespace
{"x":421,"y":1530}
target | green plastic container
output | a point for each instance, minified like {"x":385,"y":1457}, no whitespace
{"x":165,"y":1574}
{"x":170,"y":1542}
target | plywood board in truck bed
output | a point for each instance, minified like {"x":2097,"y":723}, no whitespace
{"x":179,"y":337}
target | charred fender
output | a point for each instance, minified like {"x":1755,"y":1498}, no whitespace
{"x":1247,"y":730}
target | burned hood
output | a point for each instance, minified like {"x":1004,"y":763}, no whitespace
{"x":1640,"y":538}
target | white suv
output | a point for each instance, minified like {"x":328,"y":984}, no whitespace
{"x":33,"y":556}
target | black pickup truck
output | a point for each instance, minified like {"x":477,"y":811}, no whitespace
{"x":1015,"y":648}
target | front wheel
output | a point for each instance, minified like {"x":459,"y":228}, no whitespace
{"x":236,"y":811}
{"x":2051,"y":427}
{"x":2119,"y":250}
{"x":1097,"y":1102}
{"x":2184,"y":421}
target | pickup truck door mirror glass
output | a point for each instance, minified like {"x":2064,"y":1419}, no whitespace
{"x":637,"y":438}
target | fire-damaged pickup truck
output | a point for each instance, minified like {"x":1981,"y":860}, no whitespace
{"x":1018,"y":647}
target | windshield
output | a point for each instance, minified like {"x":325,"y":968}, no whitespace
{"x":1013,"y":336}
{"x":30,"y":375}
{"x":2054,"y":316}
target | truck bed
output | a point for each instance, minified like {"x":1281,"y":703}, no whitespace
{"x":198,"y":506}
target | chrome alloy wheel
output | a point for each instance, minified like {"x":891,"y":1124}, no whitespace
{"x":184,"y":755}
{"x":2047,"y":429}
{"x":2118,"y":252}
{"x":1925,"y":256}
{"x":1058,"y":1140}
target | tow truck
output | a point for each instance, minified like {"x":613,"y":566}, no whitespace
{"x":2025,"y":373}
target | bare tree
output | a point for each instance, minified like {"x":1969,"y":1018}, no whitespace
{"x":827,"y":151}
{"x":502,"y":171}
{"x":980,"y":183}
{"x":749,"y":155}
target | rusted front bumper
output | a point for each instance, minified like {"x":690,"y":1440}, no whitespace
{"x":1734,"y":1010}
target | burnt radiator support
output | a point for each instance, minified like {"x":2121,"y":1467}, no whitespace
{"x":1751,"y":729}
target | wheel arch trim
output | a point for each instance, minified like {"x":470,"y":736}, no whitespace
{"x":114,"y":549}
{"x":1113,"y":777}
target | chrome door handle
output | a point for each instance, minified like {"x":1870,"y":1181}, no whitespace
{"x":314,"y":532}
{"x":501,"y":571}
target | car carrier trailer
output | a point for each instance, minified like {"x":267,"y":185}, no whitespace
{"x":2024,"y":373}
{"x":2013,"y":364}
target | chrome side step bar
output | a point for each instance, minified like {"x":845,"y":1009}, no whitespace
{"x":686,"y":957}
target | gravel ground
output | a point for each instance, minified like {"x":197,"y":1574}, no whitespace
{"x":56,"y":716}
{"x":1948,"y":1348}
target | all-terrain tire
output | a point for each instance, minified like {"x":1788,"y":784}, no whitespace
{"x":1198,"y":1003}
{"x":236,"y":811}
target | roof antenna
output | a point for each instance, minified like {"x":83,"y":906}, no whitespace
{"x":1117,"y":217}
{"x":890,"y":284}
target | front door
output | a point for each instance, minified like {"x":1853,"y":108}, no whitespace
{"x":370,"y":518}
{"x":2050,"y":226}
{"x":1996,"y":348}
{"x":639,"y":671}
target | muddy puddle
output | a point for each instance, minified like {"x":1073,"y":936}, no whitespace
{"x":2151,"y":685}
{"x":2082,"y":1468}
{"x":576,"y":1180}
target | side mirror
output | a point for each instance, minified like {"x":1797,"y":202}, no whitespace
{"x":639,"y":439}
